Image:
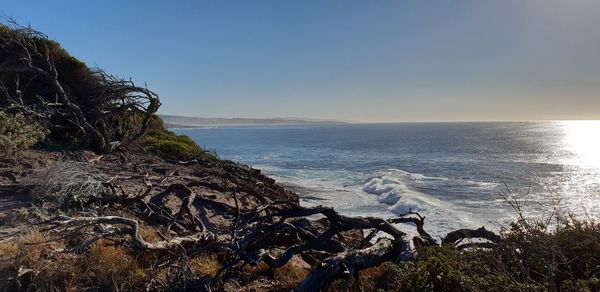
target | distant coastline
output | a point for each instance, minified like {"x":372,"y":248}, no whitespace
{"x":172,"y":121}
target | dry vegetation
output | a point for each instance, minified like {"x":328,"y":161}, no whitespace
{"x":530,"y":257}
{"x":156,"y":212}
{"x":206,"y":266}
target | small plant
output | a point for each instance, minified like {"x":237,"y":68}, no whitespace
{"x":18,"y":132}
{"x":69,"y":183}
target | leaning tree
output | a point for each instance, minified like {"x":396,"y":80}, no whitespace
{"x":74,"y":102}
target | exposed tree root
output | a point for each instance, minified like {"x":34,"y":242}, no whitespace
{"x":349,"y":263}
{"x":272,"y":233}
{"x":111,"y":226}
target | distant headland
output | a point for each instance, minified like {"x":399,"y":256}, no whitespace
{"x":173,"y":121}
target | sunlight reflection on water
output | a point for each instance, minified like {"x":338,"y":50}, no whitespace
{"x":581,"y":190}
{"x":582,"y":138}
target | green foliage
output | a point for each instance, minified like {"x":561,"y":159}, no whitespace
{"x":18,"y":132}
{"x":156,"y":123}
{"x":534,"y":257}
{"x":170,"y":145}
{"x":562,"y":256}
{"x":443,"y":268}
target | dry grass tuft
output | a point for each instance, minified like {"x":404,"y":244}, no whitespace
{"x":261,"y":269}
{"x":292,"y":273}
{"x":27,"y":250}
{"x":113,"y":267}
{"x":206,"y":266}
{"x":8,"y":251}
{"x":65,"y":272}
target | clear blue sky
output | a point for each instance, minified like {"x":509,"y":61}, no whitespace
{"x":350,"y":60}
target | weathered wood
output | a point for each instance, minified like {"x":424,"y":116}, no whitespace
{"x":115,"y":225}
{"x":454,"y":236}
{"x":347,"y":264}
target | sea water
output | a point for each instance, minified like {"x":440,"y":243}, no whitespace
{"x":452,"y":173}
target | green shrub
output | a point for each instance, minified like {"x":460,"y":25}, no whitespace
{"x":156,"y":123}
{"x":170,"y":145}
{"x":444,"y":268}
{"x":563,"y":256}
{"x":18,"y":132}
{"x":531,"y":257}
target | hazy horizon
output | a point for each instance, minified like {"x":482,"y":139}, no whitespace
{"x":383,"y":122}
{"x":384,"y":61}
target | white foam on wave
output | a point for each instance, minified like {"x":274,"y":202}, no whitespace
{"x":385,"y":194}
{"x":378,"y":186}
{"x":396,"y":189}
{"x":399,"y":196}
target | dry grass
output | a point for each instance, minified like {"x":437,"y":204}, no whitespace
{"x":367,"y":281}
{"x":370,"y":277}
{"x":8,"y":252}
{"x":288,"y":276}
{"x":103,"y":267}
{"x":63,"y":273}
{"x":261,"y":269}
{"x":206,"y":266}
{"x":149,"y":234}
{"x":292,"y":273}
{"x":113,"y":267}
{"x":26,"y":250}
{"x":55,"y":271}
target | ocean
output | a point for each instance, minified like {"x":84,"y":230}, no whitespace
{"x":452,"y":173}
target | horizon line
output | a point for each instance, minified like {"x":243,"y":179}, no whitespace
{"x":325,"y":120}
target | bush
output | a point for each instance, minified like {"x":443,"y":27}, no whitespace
{"x":71,"y":183}
{"x":156,"y":123}
{"x":531,"y":257}
{"x":18,"y":132}
{"x":170,"y":145}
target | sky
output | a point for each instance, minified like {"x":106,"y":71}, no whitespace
{"x":362,"y":61}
